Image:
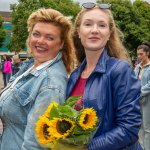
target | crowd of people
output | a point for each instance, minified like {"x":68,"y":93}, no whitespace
{"x":9,"y":67}
{"x":104,"y":78}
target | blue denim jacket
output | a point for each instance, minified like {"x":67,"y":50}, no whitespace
{"x":145,"y":80}
{"x":21,"y":108}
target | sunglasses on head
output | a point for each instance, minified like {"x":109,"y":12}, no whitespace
{"x":92,"y":5}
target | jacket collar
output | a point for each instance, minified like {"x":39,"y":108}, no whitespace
{"x":27,"y":64}
{"x":36,"y":72}
{"x":100,"y":68}
{"x":101,"y":65}
{"x":145,"y":66}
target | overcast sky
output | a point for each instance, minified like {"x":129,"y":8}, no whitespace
{"x":4,"y":4}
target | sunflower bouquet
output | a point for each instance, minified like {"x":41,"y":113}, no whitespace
{"x":66,"y":126}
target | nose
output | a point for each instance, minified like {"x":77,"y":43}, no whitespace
{"x":41,"y":40}
{"x":139,"y":57}
{"x":94,"y":28}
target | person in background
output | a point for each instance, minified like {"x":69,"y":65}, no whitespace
{"x":8,"y":68}
{"x":40,"y":81}
{"x":3,"y":73}
{"x":142,"y":72}
{"x":16,"y":65}
{"x":29,"y":57}
{"x":105,"y":80}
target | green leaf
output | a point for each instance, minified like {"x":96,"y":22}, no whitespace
{"x":78,"y":131}
{"x":72,"y":100}
{"x":54,"y":113}
{"x":79,"y":140}
{"x":68,"y":111}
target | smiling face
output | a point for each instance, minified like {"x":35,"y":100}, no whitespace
{"x":94,"y":29}
{"x":45,"y":42}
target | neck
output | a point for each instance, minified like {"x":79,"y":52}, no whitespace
{"x":145,"y":62}
{"x":92,"y":58}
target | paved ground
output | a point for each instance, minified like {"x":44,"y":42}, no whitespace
{"x":1,"y":81}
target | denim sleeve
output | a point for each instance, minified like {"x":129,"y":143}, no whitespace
{"x":43,"y":99}
{"x":126,"y":93}
{"x":145,"y":89}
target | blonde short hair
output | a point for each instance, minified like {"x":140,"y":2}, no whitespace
{"x":56,"y":18}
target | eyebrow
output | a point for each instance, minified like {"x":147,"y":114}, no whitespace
{"x":49,"y":34}
{"x":92,"y":20}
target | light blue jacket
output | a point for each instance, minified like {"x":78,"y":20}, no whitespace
{"x":21,"y":108}
{"x":145,"y":81}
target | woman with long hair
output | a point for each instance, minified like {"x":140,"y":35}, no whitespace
{"x":105,"y":80}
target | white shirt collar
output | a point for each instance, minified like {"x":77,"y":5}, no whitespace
{"x":46,"y":63}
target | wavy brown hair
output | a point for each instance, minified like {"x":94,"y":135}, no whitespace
{"x":56,"y":18}
{"x":114,"y":45}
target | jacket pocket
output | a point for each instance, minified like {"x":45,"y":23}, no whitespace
{"x":23,"y":97}
{"x":17,"y":106}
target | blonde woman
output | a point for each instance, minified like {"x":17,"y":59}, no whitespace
{"x":40,"y":81}
{"x":105,"y":80}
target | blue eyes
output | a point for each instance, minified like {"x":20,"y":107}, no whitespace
{"x":38,"y":35}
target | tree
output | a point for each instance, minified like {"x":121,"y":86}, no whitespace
{"x":21,"y":12}
{"x":142,"y":9}
{"x":133,"y":20}
{"x":2,"y":32}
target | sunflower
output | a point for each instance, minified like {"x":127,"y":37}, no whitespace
{"x":41,"y":130}
{"x":61,"y":127}
{"x":48,"y":110}
{"x":88,"y":118}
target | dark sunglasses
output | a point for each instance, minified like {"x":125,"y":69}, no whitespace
{"x":92,"y":5}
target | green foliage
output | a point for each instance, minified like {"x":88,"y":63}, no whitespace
{"x":142,"y":9}
{"x":21,"y":12}
{"x":54,"y":113}
{"x":2,"y":32}
{"x":67,"y":111}
{"x":71,"y":100}
{"x":133,"y":20}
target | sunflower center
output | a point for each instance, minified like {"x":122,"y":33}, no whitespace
{"x":86,"y":119}
{"x":45,"y":132}
{"x":63,"y":126}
